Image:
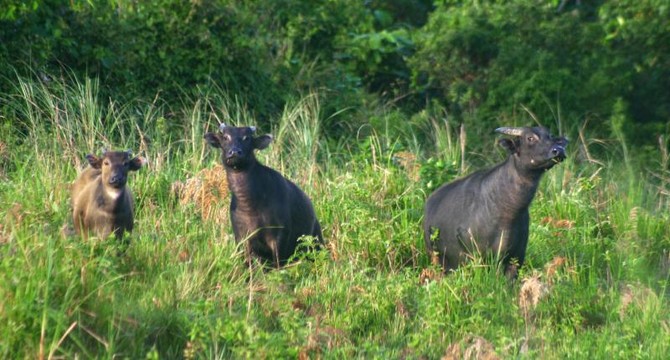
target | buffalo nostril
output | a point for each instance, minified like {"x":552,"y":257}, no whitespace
{"x":117,"y":179}
{"x":557,"y":151}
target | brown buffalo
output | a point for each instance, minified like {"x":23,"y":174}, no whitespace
{"x":102,"y":203}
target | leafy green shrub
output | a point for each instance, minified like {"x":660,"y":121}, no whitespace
{"x":488,"y":59}
{"x":434,"y":173}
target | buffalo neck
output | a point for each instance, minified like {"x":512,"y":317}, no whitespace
{"x":246,"y":185}
{"x":109,"y":198}
{"x":513,"y":189}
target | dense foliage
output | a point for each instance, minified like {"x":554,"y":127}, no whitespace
{"x":575,"y":63}
{"x":482,"y":61}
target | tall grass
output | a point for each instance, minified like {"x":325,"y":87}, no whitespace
{"x":595,"y":282}
{"x":298,"y":135}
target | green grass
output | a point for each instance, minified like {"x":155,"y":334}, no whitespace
{"x":182,"y":289}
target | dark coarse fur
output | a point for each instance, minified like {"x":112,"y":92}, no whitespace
{"x":102,"y":203}
{"x":267,"y":211}
{"x":487,"y":211}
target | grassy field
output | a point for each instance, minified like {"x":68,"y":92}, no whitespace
{"x":595,"y":284}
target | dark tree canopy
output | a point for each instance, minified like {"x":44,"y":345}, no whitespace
{"x":481,"y":61}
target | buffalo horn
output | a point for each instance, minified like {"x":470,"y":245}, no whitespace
{"x":514,"y":131}
{"x":222,"y":126}
{"x":253,"y":129}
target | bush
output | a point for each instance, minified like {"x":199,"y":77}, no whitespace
{"x":487,"y":59}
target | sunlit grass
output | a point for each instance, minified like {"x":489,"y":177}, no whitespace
{"x":595,"y":282}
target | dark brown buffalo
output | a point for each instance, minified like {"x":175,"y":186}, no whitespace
{"x":267,"y":210}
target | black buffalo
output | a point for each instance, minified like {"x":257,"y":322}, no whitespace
{"x":487,"y":211}
{"x":267,"y":210}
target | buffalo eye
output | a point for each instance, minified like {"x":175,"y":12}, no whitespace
{"x":531,"y":139}
{"x":106,"y":163}
{"x":226,"y":137}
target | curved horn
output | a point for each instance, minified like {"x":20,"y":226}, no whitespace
{"x":222,"y":126}
{"x":514,"y":131}
{"x":253,"y":129}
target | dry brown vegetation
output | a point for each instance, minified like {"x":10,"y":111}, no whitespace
{"x":532,"y":291}
{"x":634,"y":296}
{"x":471,"y":348}
{"x":207,"y":191}
{"x":409,"y":162}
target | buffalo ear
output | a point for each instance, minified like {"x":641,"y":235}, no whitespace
{"x":94,"y":161}
{"x":510,"y":145}
{"x":213,"y":140}
{"x":136,"y":163}
{"x":262,"y":142}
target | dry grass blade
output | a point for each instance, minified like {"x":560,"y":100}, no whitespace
{"x":62,"y":338}
{"x":552,"y":267}
{"x":97,"y":337}
{"x":427,"y":275}
{"x":4,"y":156}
